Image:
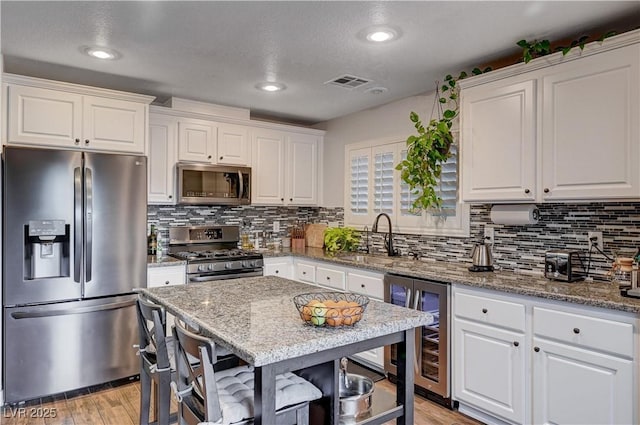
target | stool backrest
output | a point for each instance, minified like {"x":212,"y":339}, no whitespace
{"x":152,"y":322}
{"x":201,"y":404}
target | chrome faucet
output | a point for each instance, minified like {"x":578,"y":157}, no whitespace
{"x":388,"y":239}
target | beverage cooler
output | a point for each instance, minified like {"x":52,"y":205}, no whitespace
{"x":432,"y":342}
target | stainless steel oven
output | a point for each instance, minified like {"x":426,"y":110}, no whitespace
{"x":432,"y":364}
{"x":212,"y":253}
{"x":200,"y":184}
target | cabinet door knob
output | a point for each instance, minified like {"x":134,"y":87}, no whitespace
{"x":304,"y":272}
{"x":362,"y":285}
{"x":86,"y":141}
{"x":516,"y":343}
{"x":167,"y":282}
{"x":209,"y":157}
{"x":221,"y":157}
{"x":527,"y":191}
{"x":290,"y":199}
{"x":277,"y":271}
{"x":576,"y":330}
{"x":282,"y":199}
{"x":536,"y":349}
{"x":170,"y":196}
{"x":484,"y":310}
{"x":546,"y":190}
{"x":77,"y":141}
{"x":328,"y":278}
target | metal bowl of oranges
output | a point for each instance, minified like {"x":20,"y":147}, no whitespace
{"x":332,"y":309}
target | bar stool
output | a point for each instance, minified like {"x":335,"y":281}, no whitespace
{"x":157,"y":361}
{"x":226,"y":397}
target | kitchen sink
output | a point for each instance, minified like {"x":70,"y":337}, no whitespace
{"x":369,"y":259}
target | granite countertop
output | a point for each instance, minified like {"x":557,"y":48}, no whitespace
{"x":165,"y":260}
{"x":257,"y":319}
{"x":597,"y":294}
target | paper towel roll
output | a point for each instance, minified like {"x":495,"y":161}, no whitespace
{"x":515,"y":214}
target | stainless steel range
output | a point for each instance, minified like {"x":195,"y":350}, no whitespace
{"x":212,"y":253}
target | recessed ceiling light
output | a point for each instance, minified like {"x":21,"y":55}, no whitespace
{"x":380,"y":34}
{"x":376,"y":90}
{"x":270,"y":86}
{"x":101,"y":53}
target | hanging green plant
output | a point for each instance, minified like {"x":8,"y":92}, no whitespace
{"x":538,"y":48}
{"x":430,"y":148}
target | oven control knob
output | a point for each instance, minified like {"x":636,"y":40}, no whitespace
{"x":202,"y":268}
{"x":228,"y":265}
{"x":210,"y":267}
{"x":247,"y":264}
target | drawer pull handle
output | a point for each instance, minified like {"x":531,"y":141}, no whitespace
{"x":516,"y":343}
{"x":328,"y":278}
{"x":484,"y":310}
{"x":576,"y":330}
{"x":86,"y":141}
{"x":546,"y":190}
{"x":167,"y":282}
{"x":77,"y":141}
{"x":536,"y":349}
{"x":209,"y":157}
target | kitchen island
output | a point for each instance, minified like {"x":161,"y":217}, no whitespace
{"x":256,"y":319}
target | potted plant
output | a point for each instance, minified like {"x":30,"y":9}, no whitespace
{"x":430,"y":148}
{"x":338,"y":239}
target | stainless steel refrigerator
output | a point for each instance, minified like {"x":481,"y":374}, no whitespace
{"x":74,"y":248}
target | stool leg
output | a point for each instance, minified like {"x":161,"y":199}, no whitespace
{"x":163,"y":401}
{"x":145,"y":397}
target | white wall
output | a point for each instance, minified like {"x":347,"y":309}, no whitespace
{"x":388,"y":122}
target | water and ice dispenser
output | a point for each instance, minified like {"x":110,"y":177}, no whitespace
{"x":47,"y":249}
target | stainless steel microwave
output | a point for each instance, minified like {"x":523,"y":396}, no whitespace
{"x":200,"y":184}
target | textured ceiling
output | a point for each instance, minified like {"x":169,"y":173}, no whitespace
{"x":218,"y":51}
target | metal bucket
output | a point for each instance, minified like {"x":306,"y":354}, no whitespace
{"x":355,"y":395}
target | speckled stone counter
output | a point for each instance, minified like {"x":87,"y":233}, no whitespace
{"x":164,"y":261}
{"x":596,"y":294}
{"x":256,"y":318}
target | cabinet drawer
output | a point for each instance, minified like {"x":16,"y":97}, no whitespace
{"x":370,"y":286}
{"x":330,"y":277}
{"x":165,"y":276}
{"x":306,"y":272}
{"x":585,"y":331}
{"x":501,"y":313}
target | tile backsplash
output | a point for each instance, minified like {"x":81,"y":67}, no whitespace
{"x":522,"y":248}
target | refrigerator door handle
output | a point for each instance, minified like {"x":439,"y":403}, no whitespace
{"x":88,"y":193}
{"x":68,"y":311}
{"x":77,"y":223}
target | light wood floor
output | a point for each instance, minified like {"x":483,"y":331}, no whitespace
{"x":120,"y":405}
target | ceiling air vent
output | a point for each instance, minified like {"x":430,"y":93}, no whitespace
{"x":348,"y":81}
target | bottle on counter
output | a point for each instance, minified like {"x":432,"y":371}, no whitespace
{"x":159,"y":244}
{"x":151,"y":241}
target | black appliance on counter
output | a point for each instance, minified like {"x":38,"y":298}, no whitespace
{"x":432,"y":367}
{"x":563,"y":265}
{"x":212,"y":253}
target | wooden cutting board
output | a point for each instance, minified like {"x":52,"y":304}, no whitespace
{"x":314,"y":235}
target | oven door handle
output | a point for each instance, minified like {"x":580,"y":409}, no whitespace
{"x":209,"y":278}
{"x":241,"y":185}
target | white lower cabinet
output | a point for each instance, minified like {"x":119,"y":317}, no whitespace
{"x":279,"y":266}
{"x":552,"y":363}
{"x":166,"y":276}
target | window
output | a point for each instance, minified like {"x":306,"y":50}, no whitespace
{"x":375,"y":187}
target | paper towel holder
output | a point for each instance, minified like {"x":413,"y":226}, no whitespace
{"x":515,"y":214}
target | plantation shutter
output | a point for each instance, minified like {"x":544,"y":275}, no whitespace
{"x":383,"y":182}
{"x":359,"y":188}
{"x":448,"y":187}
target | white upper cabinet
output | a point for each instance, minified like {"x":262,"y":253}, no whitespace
{"x":284,"y":168}
{"x":590,"y":127}
{"x":499,"y":146}
{"x":233,"y":144}
{"x":163,"y":137}
{"x":51,"y":114}
{"x":196,"y":141}
{"x":556,"y":129}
